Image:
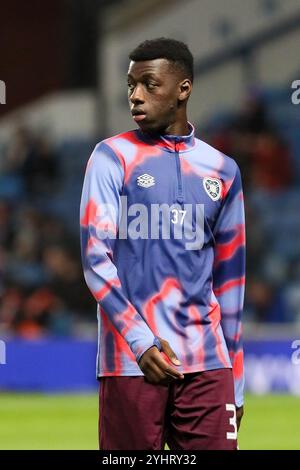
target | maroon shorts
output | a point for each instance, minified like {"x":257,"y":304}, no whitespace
{"x":197,"y":413}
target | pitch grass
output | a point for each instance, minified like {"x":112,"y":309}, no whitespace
{"x":70,"y":422}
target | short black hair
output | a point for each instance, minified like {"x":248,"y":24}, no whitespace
{"x":165,"y":48}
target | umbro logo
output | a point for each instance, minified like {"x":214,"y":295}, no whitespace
{"x":213,"y":188}
{"x":145,"y":180}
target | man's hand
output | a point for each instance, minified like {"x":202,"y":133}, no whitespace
{"x":239,"y":415}
{"x":156,"y":370}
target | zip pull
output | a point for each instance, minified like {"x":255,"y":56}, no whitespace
{"x":179,"y":176}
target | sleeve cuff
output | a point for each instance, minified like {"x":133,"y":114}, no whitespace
{"x":156,"y":343}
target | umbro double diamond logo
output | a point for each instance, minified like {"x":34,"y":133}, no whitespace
{"x":145,"y":180}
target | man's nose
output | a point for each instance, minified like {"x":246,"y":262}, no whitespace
{"x":137,"y":95}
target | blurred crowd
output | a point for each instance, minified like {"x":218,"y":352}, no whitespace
{"x":42,"y":290}
{"x":272,"y":198}
{"x":256,"y":145}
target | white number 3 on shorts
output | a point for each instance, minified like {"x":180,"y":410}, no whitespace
{"x":232,"y":421}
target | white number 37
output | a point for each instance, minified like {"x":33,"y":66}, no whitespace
{"x":175,"y":213}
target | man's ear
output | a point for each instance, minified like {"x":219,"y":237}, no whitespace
{"x":185,"y":89}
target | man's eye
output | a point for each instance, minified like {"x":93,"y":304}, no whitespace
{"x":130,"y":86}
{"x":151,"y":85}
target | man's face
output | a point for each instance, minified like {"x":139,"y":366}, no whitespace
{"x":153,"y":92}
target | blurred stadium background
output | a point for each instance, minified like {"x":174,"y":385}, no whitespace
{"x":64,"y":64}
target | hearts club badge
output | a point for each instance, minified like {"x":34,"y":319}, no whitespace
{"x":213,"y":187}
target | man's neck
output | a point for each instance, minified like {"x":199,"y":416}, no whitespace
{"x":178,"y":128}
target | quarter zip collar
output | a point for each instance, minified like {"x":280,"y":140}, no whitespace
{"x":171,"y":143}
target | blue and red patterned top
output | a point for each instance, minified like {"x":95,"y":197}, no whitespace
{"x":153,"y":280}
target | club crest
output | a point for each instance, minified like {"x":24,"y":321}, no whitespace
{"x":213,"y":187}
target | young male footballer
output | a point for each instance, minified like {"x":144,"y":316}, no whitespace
{"x":163,"y":249}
